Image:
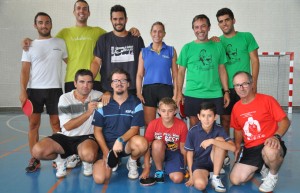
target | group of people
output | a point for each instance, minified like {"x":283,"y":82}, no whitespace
{"x":136,"y":83}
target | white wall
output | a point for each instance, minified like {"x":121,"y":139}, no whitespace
{"x":274,"y":23}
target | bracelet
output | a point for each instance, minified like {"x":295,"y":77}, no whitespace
{"x":227,"y":91}
{"x":277,"y":136}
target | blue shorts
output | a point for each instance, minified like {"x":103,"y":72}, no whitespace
{"x":204,"y":163}
{"x":174,"y":162}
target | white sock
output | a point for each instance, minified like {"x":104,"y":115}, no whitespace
{"x":130,"y":159}
{"x":214,"y":177}
{"x":273,"y":176}
{"x":58,"y":158}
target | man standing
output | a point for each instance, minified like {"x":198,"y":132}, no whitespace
{"x":40,"y":79}
{"x":241,"y":51}
{"x":76,"y":109}
{"x":206,"y":74}
{"x":260,"y":122}
{"x":117,"y":49}
{"x":117,"y":128}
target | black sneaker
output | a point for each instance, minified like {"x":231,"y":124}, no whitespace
{"x":159,"y":176}
{"x":33,"y":165}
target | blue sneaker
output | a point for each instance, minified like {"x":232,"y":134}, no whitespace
{"x":159,"y":176}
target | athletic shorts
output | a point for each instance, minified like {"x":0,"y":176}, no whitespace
{"x":47,"y":97}
{"x":70,"y":144}
{"x":192,"y":105}
{"x":203,"y":163}
{"x":174,"y":162}
{"x":110,"y":146}
{"x":69,"y":86}
{"x":153,"y":93}
{"x":234,"y":97}
{"x":253,"y":156}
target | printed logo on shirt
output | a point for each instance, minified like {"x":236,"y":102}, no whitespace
{"x":252,"y":128}
{"x":232,"y":53}
{"x":129,"y":111}
{"x":122,"y":54}
{"x":205,"y":61}
{"x":166,"y":56}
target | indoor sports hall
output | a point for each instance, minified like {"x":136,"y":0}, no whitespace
{"x":274,"y":24}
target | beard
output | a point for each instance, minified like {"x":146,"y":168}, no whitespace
{"x":120,"y":92}
{"x":44,"y":34}
{"x":119,"y":30}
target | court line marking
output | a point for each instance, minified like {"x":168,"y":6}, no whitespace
{"x":15,"y":129}
{"x":8,"y":140}
{"x":13,"y":151}
{"x":58,"y":182}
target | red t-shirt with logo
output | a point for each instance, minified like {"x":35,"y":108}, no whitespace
{"x":258,"y":120}
{"x":172,"y":136}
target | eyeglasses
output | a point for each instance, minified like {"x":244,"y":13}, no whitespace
{"x":122,"y":81}
{"x":244,"y":85}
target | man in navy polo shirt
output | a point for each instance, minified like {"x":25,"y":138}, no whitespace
{"x":117,"y":127}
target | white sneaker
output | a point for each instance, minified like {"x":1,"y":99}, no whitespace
{"x":269,"y":184}
{"x":116,"y":167}
{"x":264,"y":171}
{"x":87,"y":168}
{"x":222,"y":171}
{"x":73,"y":161}
{"x":226,"y":161}
{"x":132,"y":167}
{"x":61,"y":168}
{"x":217,"y":184}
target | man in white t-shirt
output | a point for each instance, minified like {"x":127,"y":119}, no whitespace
{"x":76,"y":110}
{"x":40,"y":80}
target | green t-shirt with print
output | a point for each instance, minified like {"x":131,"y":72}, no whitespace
{"x":238,"y":50}
{"x":201,"y":61}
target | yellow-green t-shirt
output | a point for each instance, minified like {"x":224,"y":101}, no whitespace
{"x":80,"y":43}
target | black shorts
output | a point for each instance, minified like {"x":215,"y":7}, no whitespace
{"x":253,"y":156}
{"x":69,"y":86}
{"x":234,"y":97}
{"x":153,"y":93}
{"x":203,"y":163}
{"x":47,"y":97}
{"x":110,"y":146}
{"x":70,"y":144}
{"x":192,"y":105}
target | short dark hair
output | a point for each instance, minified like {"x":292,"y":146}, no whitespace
{"x":243,"y":72}
{"x":118,"y":8}
{"x":208,"y":106}
{"x":201,"y":16}
{"x":120,"y":71}
{"x":83,"y":72}
{"x":41,"y":14}
{"x":225,"y":11}
{"x":82,"y":1}
{"x":158,"y":23}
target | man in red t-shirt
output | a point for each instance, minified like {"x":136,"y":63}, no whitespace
{"x":260,"y":122}
{"x":166,"y":136}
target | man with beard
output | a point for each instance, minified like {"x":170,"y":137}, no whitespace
{"x":117,"y":49}
{"x":116,"y":128}
{"x":40,"y":80}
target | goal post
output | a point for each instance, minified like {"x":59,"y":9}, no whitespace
{"x":276,"y":77}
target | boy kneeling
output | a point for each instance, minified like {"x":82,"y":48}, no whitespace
{"x":206,"y":145}
{"x":166,"y":136}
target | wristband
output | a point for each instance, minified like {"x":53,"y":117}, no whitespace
{"x":277,"y":136}
{"x":120,"y":139}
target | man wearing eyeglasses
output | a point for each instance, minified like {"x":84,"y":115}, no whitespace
{"x":260,"y":122}
{"x":117,"y":127}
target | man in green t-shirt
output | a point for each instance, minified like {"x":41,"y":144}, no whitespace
{"x":203,"y":60}
{"x":241,"y":51}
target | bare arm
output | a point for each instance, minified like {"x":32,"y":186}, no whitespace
{"x":139,"y":78}
{"x":147,"y":166}
{"x":101,"y":141}
{"x":78,"y":121}
{"x":26,"y":44}
{"x":118,"y":146}
{"x":224,"y":81}
{"x":95,"y":66}
{"x":255,"y":68}
{"x":174,"y":74}
{"x":189,"y":156}
{"x":135,"y":32}
{"x":238,"y":137}
{"x":183,"y":152}
{"x":24,"y":78}
{"x":180,"y":81}
{"x":226,"y":145}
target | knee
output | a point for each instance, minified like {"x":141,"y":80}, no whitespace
{"x":98,"y":179}
{"x":271,"y":154}
{"x":176,"y":178}
{"x":140,"y":143}
{"x":234,"y":180}
{"x":158,"y":145}
{"x":37,"y":151}
{"x":200,"y":185}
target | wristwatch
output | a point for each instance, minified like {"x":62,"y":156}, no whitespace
{"x":277,"y":136}
{"x":227,"y":91}
{"x":120,"y":139}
